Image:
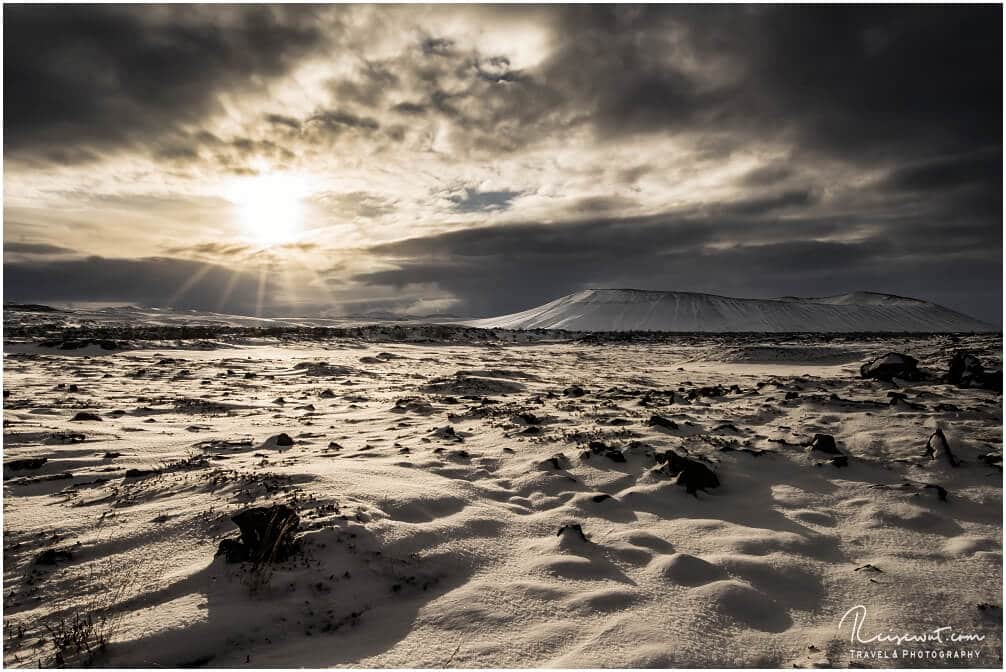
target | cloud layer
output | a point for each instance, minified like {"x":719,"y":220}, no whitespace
{"x":488,"y":158}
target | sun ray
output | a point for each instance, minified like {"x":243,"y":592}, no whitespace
{"x":191,"y":282}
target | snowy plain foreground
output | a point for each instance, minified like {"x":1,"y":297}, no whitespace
{"x":438,"y":485}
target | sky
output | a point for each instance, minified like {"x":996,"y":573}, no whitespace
{"x":479,"y":160}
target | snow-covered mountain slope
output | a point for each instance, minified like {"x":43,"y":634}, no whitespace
{"x":638,"y":310}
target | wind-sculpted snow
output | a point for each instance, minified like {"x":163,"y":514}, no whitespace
{"x":375,"y":501}
{"x":636,"y":310}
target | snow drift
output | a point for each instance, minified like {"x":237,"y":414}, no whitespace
{"x":639,"y":310}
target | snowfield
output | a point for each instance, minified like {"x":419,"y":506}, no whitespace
{"x":500,"y":504}
{"x":638,"y":310}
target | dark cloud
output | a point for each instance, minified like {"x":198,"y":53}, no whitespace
{"x":211,"y":249}
{"x":283,"y":120}
{"x":473,"y":200}
{"x":763,"y":205}
{"x":337,"y":121}
{"x":851,"y":81}
{"x":35,"y":248}
{"x":878,"y":130}
{"x":152,"y":281}
{"x":83,"y":79}
{"x":409,"y":108}
{"x":980,"y":168}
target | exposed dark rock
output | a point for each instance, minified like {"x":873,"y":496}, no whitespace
{"x":707,"y":391}
{"x":233,"y":550}
{"x":141,"y":473}
{"x":660,"y":421}
{"x":51,"y":556}
{"x":616,"y":422}
{"x":572,"y":531}
{"x":941,"y":492}
{"x":26,"y":463}
{"x":601,"y":448}
{"x":31,"y":480}
{"x":284,"y":439}
{"x":267,"y":535}
{"x":111,"y":455}
{"x":890,"y":366}
{"x":938,"y":445}
{"x":966,"y":370}
{"x":557,"y":461}
{"x":65,"y":438}
{"x":840,"y":461}
{"x":792,"y":395}
{"x":691,"y":474}
{"x":447,"y":433}
{"x":825,"y":443}
{"x":413,"y":405}
{"x":574,"y":391}
{"x":84,"y":416}
{"x":528,"y":418}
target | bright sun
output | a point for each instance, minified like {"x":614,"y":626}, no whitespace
{"x":270,"y":206}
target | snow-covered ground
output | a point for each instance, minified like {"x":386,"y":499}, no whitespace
{"x":432,"y":481}
{"x":637,"y":310}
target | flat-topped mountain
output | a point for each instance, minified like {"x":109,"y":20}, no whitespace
{"x":643,"y":310}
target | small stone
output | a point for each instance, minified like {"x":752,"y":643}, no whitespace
{"x":825,"y":443}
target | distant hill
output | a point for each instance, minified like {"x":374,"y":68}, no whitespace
{"x":642,"y":310}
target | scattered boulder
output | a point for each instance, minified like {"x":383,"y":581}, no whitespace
{"x":84,"y":416}
{"x":413,"y":405}
{"x":573,"y":532}
{"x":267,"y":535}
{"x":939,"y":446}
{"x":660,"y":421}
{"x":825,"y":443}
{"x":601,"y":448}
{"x":282,"y":439}
{"x":557,"y":461}
{"x":574,"y":391}
{"x":690,"y":474}
{"x":141,"y":473}
{"x":527,"y":418}
{"x":26,"y":463}
{"x":51,"y":556}
{"x":447,"y":433}
{"x":941,"y":492}
{"x":63,"y":438}
{"x":890,"y":366}
{"x":966,"y":370}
